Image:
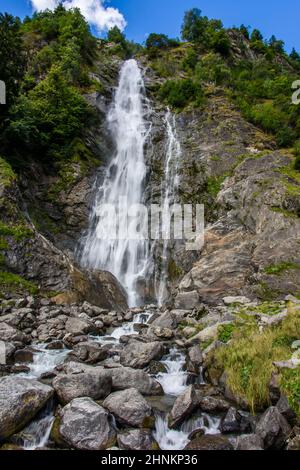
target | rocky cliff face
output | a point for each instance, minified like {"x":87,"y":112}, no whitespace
{"x":251,"y":197}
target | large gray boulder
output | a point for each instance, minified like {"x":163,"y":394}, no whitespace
{"x":125,"y":377}
{"x":76,"y":326}
{"x":212,"y":443}
{"x":137,"y":439}
{"x":85,"y":425}
{"x":10,"y":334}
{"x":139,"y":355}
{"x":249,"y":442}
{"x":94,"y":384}
{"x":130,"y":408}
{"x":184,"y":406}
{"x":20,"y":400}
{"x":273,"y":429}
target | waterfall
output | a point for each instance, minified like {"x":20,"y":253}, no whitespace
{"x":123,"y":187}
{"x":168,"y":196}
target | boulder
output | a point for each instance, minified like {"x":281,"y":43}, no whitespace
{"x":236,"y":300}
{"x":10,"y":334}
{"x":137,"y":439}
{"x":125,"y":377}
{"x":183,"y":406}
{"x":76,"y":326}
{"x":294,"y":444}
{"x":213,"y":404}
{"x":166,"y":320}
{"x":208,"y":442}
{"x":195,"y":356}
{"x":94,"y":384}
{"x":85,"y":425}
{"x":90,"y":352}
{"x":285,"y":410}
{"x":139,"y":355}
{"x":273,"y":429}
{"x":20,"y":400}
{"x":249,"y":442}
{"x":187,"y":300}
{"x":236,"y":422}
{"x":130,"y":408}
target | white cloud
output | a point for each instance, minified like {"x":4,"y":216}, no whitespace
{"x":103,"y":18}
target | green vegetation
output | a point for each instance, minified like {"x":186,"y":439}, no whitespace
{"x":248,"y":360}
{"x":290,"y":384}
{"x":225,"y":332}
{"x":15,"y":283}
{"x":7,"y":175}
{"x":180,"y":93}
{"x":158,"y":42}
{"x":208,"y":33}
{"x":18,"y":232}
{"x":280,"y":268}
{"x":50,"y":111}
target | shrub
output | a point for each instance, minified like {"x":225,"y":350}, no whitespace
{"x":179,"y":93}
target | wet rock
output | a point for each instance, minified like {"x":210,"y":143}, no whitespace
{"x":273,"y":429}
{"x":137,"y":439}
{"x":125,"y":377}
{"x":85,"y":425}
{"x":139,"y":355}
{"x":274,"y":389}
{"x":156,"y":367}
{"x":250,"y":442}
{"x":195,"y":356}
{"x":90,"y":352}
{"x":24,"y":355}
{"x":94,"y":384}
{"x":211,"y":443}
{"x":294,"y":444}
{"x":55,"y":345}
{"x":213,"y":404}
{"x":196,"y":434}
{"x":20,"y":400}
{"x":183,"y":406}
{"x":236,"y":422}
{"x":130,"y":408}
{"x":286,"y":411}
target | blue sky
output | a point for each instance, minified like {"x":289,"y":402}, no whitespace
{"x":146,"y":16}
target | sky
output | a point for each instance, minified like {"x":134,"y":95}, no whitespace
{"x":139,"y":18}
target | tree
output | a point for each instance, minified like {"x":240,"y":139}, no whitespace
{"x":294,"y":55}
{"x":47,"y":119}
{"x":245,"y":31}
{"x":157,"y":41}
{"x":276,"y":44}
{"x":256,"y":36}
{"x":194,"y":25}
{"x":12,"y":58}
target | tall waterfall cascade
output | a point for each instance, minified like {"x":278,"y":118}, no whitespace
{"x":123,"y":187}
{"x":168,"y":197}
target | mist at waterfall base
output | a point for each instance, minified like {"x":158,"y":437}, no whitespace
{"x":127,"y":259}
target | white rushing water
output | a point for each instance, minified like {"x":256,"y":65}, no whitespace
{"x":127,"y":329}
{"x":174,"y":380}
{"x":168,"y":197}
{"x":172,"y":439}
{"x":36,"y":435}
{"x":45,"y":360}
{"x":122,"y":188}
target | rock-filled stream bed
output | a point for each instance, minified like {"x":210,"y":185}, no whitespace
{"x":105,"y":380}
